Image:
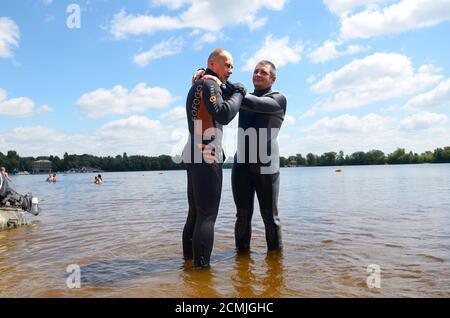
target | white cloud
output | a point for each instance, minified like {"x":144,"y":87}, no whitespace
{"x":423,"y":120}
{"x":346,"y":132}
{"x":439,"y":96}
{"x":36,"y":134}
{"x":328,"y":51}
{"x":134,"y":135}
{"x":9,"y":36}
{"x":289,"y":120}
{"x":44,"y":109}
{"x":120,"y":100}
{"x":36,"y":141}
{"x":278,"y":51}
{"x":399,"y":17}
{"x":350,"y":124}
{"x":17,"y":107}
{"x":176,"y":114}
{"x":210,"y":16}
{"x":141,"y":135}
{"x":207,"y":37}
{"x":311,"y":79}
{"x":123,"y":25}
{"x":344,"y":6}
{"x":171,"y":4}
{"x":138,"y":126}
{"x":352,"y":133}
{"x":375,"y":78}
{"x":170,"y":47}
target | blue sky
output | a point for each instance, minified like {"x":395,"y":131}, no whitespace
{"x":358,"y":74}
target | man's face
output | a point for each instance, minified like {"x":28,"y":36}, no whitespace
{"x":262,"y":78}
{"x":223,"y":66}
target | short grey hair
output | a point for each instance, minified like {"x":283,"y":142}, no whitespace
{"x":273,"y":68}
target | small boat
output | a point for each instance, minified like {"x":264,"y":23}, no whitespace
{"x":12,"y":218}
{"x":14,"y":206}
{"x":338,"y":170}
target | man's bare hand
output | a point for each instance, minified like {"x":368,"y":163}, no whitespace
{"x":209,"y":153}
{"x":197,"y":75}
{"x":213,"y":78}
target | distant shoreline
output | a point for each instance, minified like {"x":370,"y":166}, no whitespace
{"x":124,"y":163}
{"x":230,"y":166}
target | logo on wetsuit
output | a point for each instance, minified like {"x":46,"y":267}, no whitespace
{"x":196,"y":102}
{"x":213,"y":98}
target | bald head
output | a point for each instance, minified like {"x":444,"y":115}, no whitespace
{"x":220,"y":61}
{"x":217,"y":54}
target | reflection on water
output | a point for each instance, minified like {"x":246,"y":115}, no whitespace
{"x":250,"y":282}
{"x":125,"y":235}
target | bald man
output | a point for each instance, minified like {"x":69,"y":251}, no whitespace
{"x":207,"y":111}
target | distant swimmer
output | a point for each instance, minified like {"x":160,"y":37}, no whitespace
{"x":51,"y":178}
{"x":98,"y":179}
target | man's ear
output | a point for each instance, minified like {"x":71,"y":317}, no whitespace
{"x":211,"y":64}
{"x":274,"y":78}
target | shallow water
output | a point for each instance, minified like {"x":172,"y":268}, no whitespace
{"x":126,"y":237}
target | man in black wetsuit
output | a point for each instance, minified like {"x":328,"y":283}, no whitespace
{"x":207,"y":110}
{"x":256,"y":163}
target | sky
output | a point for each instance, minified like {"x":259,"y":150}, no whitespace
{"x":107,"y":77}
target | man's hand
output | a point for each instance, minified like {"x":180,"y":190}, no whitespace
{"x":212,"y":78}
{"x":198,"y":75}
{"x":240,"y":88}
{"x":209,"y":153}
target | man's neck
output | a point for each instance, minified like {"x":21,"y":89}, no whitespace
{"x":261,"y":92}
{"x":211,"y":72}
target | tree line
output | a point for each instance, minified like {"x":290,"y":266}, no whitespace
{"x":14,"y":163}
{"x":373,"y":157}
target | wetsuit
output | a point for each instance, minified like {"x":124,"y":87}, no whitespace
{"x":207,"y":110}
{"x":261,"y":109}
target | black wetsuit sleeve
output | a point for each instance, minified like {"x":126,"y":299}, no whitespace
{"x":222,"y":110}
{"x":272,"y":104}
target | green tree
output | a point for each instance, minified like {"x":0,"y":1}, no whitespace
{"x":300,"y":160}
{"x":358,"y":158}
{"x":340,"y":159}
{"x":375,"y":157}
{"x":442,"y":155}
{"x":328,"y":159}
{"x":427,"y":157}
{"x":311,"y":160}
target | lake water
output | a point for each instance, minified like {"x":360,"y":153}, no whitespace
{"x":126,"y":237}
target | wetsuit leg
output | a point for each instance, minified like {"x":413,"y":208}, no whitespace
{"x":188,"y":231}
{"x":206,"y":189}
{"x":267,"y":189}
{"x":244,"y":197}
